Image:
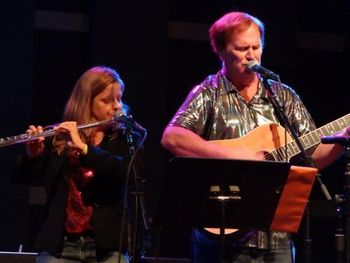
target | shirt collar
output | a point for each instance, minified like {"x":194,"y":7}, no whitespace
{"x":229,"y":87}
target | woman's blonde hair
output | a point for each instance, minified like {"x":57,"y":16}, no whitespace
{"x":78,"y":107}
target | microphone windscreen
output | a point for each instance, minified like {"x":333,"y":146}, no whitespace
{"x":251,"y":64}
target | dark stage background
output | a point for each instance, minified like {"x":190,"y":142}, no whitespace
{"x":161,"y":49}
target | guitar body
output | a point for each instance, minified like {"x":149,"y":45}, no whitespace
{"x":277,"y":144}
{"x":265,"y":138}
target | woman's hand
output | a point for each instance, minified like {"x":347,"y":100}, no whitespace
{"x":74,"y":141}
{"x":35,"y":147}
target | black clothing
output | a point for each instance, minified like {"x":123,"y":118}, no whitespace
{"x":104,"y":192}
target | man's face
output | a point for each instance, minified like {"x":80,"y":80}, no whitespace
{"x":241,"y":48}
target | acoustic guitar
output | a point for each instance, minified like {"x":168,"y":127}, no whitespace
{"x":278,"y":145}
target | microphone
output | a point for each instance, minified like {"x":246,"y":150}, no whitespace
{"x":342,"y":140}
{"x":253,"y":66}
{"x":129,"y":123}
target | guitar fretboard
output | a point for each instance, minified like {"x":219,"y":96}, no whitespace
{"x":310,"y":139}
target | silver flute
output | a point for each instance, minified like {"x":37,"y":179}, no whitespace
{"x":50,"y":132}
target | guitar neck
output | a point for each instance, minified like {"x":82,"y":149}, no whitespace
{"x":312,"y":138}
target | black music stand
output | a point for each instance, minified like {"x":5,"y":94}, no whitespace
{"x":221,"y":193}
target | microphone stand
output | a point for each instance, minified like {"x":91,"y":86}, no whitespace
{"x":347,"y":194}
{"x":140,"y":212}
{"x":282,"y":117}
{"x":340,"y":231}
{"x":127,"y":125}
{"x":342,"y":238}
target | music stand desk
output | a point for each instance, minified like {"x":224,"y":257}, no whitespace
{"x":262,"y":195}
